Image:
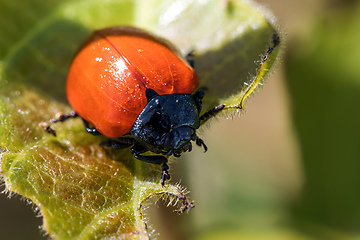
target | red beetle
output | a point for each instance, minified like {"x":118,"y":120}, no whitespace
{"x":136,"y":89}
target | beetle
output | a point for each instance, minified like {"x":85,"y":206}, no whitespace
{"x":136,"y":89}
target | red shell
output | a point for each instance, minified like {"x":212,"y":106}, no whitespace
{"x":109,"y":75}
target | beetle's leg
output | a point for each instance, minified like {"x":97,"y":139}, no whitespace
{"x":64,"y":117}
{"x":198,"y":96}
{"x":89,"y":129}
{"x":190,"y":58}
{"x":150,"y":94}
{"x":165,"y":174}
{"x":211,"y":113}
{"x":136,"y":150}
{"x":119,"y":143}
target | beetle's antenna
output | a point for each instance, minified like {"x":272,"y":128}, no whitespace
{"x":64,"y":117}
{"x":200,"y":143}
{"x":211,"y":113}
{"x":60,"y":118}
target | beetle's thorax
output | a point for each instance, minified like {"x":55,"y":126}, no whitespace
{"x":167,"y":124}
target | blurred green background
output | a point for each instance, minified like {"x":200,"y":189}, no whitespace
{"x":287,"y":169}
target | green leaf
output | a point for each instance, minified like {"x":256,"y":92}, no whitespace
{"x":83,"y":190}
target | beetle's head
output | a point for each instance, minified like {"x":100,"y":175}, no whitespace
{"x":179,"y":140}
{"x":167,"y":124}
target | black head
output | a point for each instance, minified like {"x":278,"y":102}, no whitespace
{"x":167,"y":124}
